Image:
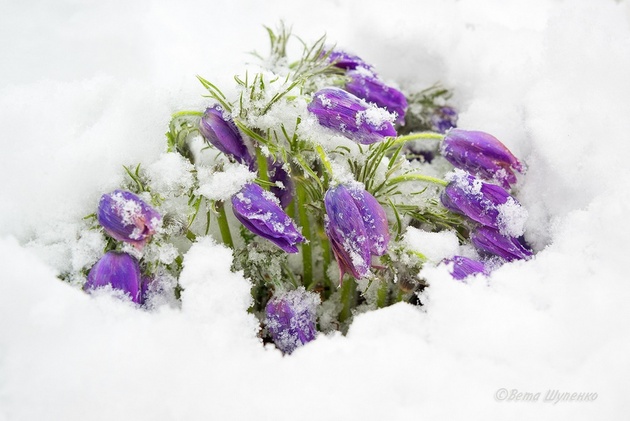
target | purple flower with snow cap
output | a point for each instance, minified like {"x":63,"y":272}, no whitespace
{"x":354,"y":118}
{"x":444,"y":119}
{"x":126,"y":217}
{"x":290,"y":317}
{"x":491,"y":241}
{"x":485,"y":203}
{"x":481,"y":154}
{"x":364,"y":85}
{"x":464,"y":267}
{"x":260,"y":212}
{"x":119,"y":271}
{"x":356,"y":225}
{"x":217,"y":127}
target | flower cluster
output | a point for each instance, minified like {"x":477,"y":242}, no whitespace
{"x":317,"y":161}
{"x":130,"y":220}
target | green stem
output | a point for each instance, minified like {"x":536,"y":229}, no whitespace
{"x":418,"y":136}
{"x":224,"y":227}
{"x":307,"y":257}
{"x":417,"y":177}
{"x":381,"y":294}
{"x":187,"y":113}
{"x":326,"y":255}
{"x":348,"y":298}
{"x":262,"y":168}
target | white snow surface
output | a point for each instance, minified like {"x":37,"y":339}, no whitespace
{"x":86,"y":87}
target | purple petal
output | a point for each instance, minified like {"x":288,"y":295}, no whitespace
{"x":365,"y":85}
{"x":444,"y":119}
{"x":475,"y":199}
{"x":126,"y":217}
{"x":374,"y":220}
{"x":217,"y":127}
{"x":346,"y":231}
{"x":481,"y":154}
{"x":291,"y":319}
{"x":341,"y":111}
{"x":260,"y":212}
{"x":347,"y":61}
{"x":117,"y":270}
{"x":464,"y":267}
{"x":277,"y":173}
{"x":491,"y":241}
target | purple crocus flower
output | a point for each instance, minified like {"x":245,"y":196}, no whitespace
{"x":290,"y":317}
{"x":485,"y":203}
{"x":260,"y":212}
{"x":491,"y":241}
{"x":481,"y":154}
{"x":464,"y":267}
{"x":444,"y":119}
{"x":217,"y":127}
{"x":119,"y":271}
{"x":277,"y":173}
{"x":364,"y":85}
{"x":353,"y":117}
{"x":126,"y":217}
{"x":347,"y":61}
{"x":356,"y":226}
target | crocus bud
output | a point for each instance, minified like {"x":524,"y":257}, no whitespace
{"x":356,"y":226}
{"x":217,"y":127}
{"x":491,"y":241}
{"x":464,"y":267}
{"x":277,"y":174}
{"x":443,"y":119}
{"x":126,"y":217}
{"x":481,"y":154}
{"x":347,"y":61}
{"x":119,"y":271}
{"x":353,"y":117}
{"x":260,"y":212}
{"x":364,"y":85}
{"x":486,"y":203}
{"x":290,"y":317}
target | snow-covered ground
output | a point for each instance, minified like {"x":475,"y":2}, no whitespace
{"x":88,"y":86}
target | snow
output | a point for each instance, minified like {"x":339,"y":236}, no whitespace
{"x":88,"y":87}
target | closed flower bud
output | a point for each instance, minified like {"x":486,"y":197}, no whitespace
{"x":277,"y":174}
{"x":119,"y":271}
{"x":485,"y":203}
{"x":491,"y":241}
{"x":364,"y":85}
{"x":291,"y":318}
{"x":481,"y":154}
{"x":356,"y":226}
{"x":443,"y":119}
{"x":260,"y":212}
{"x":217,"y":127}
{"x":464,"y":267}
{"x":128,"y":218}
{"x":353,"y":117}
{"x":347,"y":61}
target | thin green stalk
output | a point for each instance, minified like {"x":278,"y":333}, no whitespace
{"x":381,"y":294}
{"x":417,"y":177}
{"x":262,"y":167}
{"x":307,"y":253}
{"x":326,"y":255}
{"x":187,"y":113}
{"x":348,"y":299}
{"x":224,"y":227}
{"x":417,"y":136}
